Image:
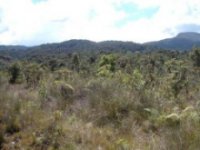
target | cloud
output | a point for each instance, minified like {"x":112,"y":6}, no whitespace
{"x":31,"y":22}
{"x":189,"y":28}
{"x":3,"y":29}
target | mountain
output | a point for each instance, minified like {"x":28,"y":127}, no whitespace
{"x":183,"y":41}
{"x":12,"y":51}
{"x":86,"y":45}
{"x":12,"y":47}
{"x":69,"y":47}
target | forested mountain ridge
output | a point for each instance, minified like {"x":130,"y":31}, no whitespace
{"x":69,"y":47}
{"x":86,"y":45}
{"x":182,"y":42}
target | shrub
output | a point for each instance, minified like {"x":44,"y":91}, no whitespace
{"x":33,"y":74}
{"x":76,"y":62}
{"x":13,"y":126}
{"x":172,"y":119}
{"x":3,"y":78}
{"x":109,"y":101}
{"x":195,"y":56}
{"x":2,"y":140}
{"x":62,"y":74}
{"x":15,"y":72}
{"x":106,"y":65}
{"x":63,"y":89}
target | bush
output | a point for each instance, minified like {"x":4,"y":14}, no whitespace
{"x":65,"y":90}
{"x":110,"y":102}
{"x":62,"y":74}
{"x":195,"y":56}
{"x":1,"y":139}
{"x":13,"y":126}
{"x":15,"y":72}
{"x":106,"y":65}
{"x":172,"y":119}
{"x":33,"y":74}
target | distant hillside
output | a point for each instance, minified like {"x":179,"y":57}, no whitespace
{"x":11,"y":47}
{"x":85,"y":45}
{"x":183,"y":41}
{"x":12,"y":51}
{"x":72,"y":46}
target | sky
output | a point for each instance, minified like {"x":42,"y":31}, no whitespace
{"x":33,"y":22}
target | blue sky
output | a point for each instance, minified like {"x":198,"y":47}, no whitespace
{"x":38,"y":1}
{"x":133,"y":13}
{"x":32,"y":22}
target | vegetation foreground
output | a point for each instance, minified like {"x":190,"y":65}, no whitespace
{"x":102,"y":100}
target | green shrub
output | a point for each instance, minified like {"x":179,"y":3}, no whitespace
{"x":33,"y":74}
{"x":15,"y":72}
{"x":76,"y":62}
{"x":106,"y":65}
{"x":195,"y":56}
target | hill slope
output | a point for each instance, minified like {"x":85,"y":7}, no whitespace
{"x":72,"y":46}
{"x":183,"y":41}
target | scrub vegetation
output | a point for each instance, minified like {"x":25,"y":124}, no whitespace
{"x":101,"y":100}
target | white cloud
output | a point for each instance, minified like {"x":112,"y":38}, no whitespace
{"x":58,"y":20}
